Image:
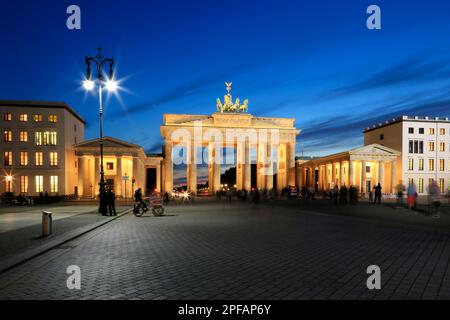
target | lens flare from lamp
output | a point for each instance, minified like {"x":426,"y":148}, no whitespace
{"x":111,"y":85}
{"x":88,"y":84}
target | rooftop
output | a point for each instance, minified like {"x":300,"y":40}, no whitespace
{"x":407,"y":118}
{"x":41,"y":104}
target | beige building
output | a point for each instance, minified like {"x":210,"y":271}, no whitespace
{"x":402,"y":150}
{"x":37,"y":153}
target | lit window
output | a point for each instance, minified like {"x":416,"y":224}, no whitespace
{"x":39,"y":161}
{"x":23,"y":158}
{"x":441,"y":165}
{"x":441,"y":185}
{"x":442,"y":131}
{"x":49,"y":138}
{"x":431,"y":164}
{"x":23,"y":184}
{"x":39,"y":183}
{"x":8,"y":185}
{"x":23,"y":136}
{"x":442,"y":146}
{"x":37,"y":118}
{"x":410,"y":164}
{"x":53,"y":183}
{"x":53,"y":118}
{"x":23,"y":117}
{"x":53,"y":158}
{"x":38,"y":138}
{"x":431,"y":131}
{"x":7,"y":136}
{"x":420,"y":185}
{"x":109,"y":166}
{"x":8,"y":158}
{"x":431,"y":146}
{"x":7,"y":116}
{"x":421,"y":164}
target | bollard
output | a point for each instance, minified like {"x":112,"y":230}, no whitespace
{"x":47,"y":223}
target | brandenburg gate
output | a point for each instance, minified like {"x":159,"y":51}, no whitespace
{"x":230,"y":127}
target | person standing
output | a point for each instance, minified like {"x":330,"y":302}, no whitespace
{"x":378,"y":194}
{"x":111,"y":199}
{"x":411,"y":196}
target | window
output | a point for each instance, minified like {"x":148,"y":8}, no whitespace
{"x":431,"y":164}
{"x":410,"y":130}
{"x":410,"y":164}
{"x":367,"y":169}
{"x":431,"y":131}
{"x":8,"y":158}
{"x":53,"y":183}
{"x":410,"y":181}
{"x":7,"y":136}
{"x":441,"y":185}
{"x":37,"y":118}
{"x":421,"y":164}
{"x":23,"y":158}
{"x":420,"y":185}
{"x":53,"y":158}
{"x":23,"y":184}
{"x":7,"y":116}
{"x":442,"y":146}
{"x":49,"y":138}
{"x":421,"y":130}
{"x":421,"y":147}
{"x":39,"y":183}
{"x":23,"y":117}
{"x":38,"y":138}
{"x":431,"y":146}
{"x":415,"y":146}
{"x":109,"y":166}
{"x":8,"y":185}
{"x":442,"y":131}
{"x":441,"y":165}
{"x":39,"y":161}
{"x":23,"y":136}
{"x":381,"y":136}
{"x":53,"y":118}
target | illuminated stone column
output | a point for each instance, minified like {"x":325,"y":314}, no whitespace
{"x":240,"y":160}
{"x":333,"y":175}
{"x":362,"y":187}
{"x":118,"y":181}
{"x":168,"y":167}
{"x":96,"y":188}
{"x":269,"y":167}
{"x":191,"y":168}
{"x":158,"y":178}
{"x":351,"y":173}
{"x":381,"y":173}
{"x":214,"y":158}
{"x":393,"y":175}
{"x":341,"y":174}
{"x":247,"y":168}
{"x":261,"y":171}
{"x":290,"y":164}
{"x":81,"y":165}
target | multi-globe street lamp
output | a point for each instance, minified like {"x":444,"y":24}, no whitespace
{"x":111,"y":85}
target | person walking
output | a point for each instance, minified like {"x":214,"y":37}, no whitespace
{"x":412,"y":196}
{"x":433,"y":198}
{"x":377,"y":193}
{"x":111,"y":199}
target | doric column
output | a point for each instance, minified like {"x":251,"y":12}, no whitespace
{"x":290,"y":163}
{"x":214,"y":156}
{"x":261,"y":166}
{"x":168,"y":167}
{"x":351,"y":173}
{"x":381,"y":173}
{"x":158,"y":177}
{"x":362,"y":187}
{"x":119,"y":191}
{"x":393,"y":175}
{"x":240,"y":160}
{"x":341,"y":174}
{"x":269,"y":167}
{"x":96,"y":187}
{"x":81,"y":165}
{"x":247,"y":167}
{"x":191,"y":168}
{"x":333,"y":175}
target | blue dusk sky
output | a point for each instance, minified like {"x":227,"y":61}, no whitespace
{"x":314,"y":61}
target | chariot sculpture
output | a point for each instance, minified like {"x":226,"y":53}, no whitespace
{"x":228,"y":106}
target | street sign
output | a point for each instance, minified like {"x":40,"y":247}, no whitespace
{"x":125,"y":178}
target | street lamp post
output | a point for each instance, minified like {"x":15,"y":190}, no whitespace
{"x":99,"y":61}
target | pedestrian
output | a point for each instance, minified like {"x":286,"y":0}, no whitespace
{"x":111,"y":199}
{"x":377,"y":194}
{"x":343,"y":195}
{"x":400,"y":188}
{"x":335,"y":194}
{"x":433,"y":198}
{"x":411,"y":196}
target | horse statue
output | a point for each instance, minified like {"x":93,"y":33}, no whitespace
{"x":244,"y":107}
{"x":219,"y":105}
